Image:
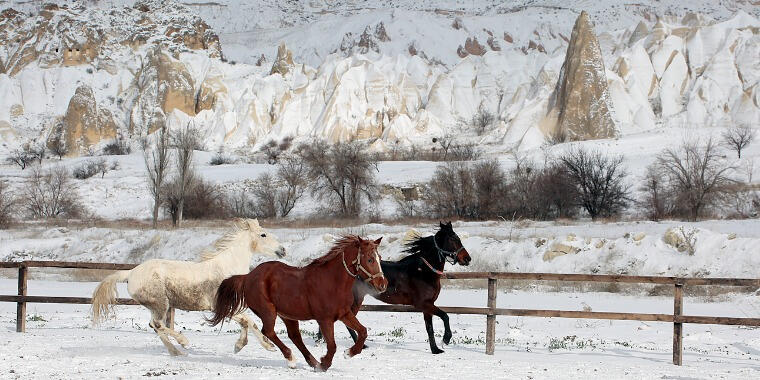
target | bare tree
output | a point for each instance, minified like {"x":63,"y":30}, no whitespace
{"x":698,"y":174}
{"x":658,"y":200}
{"x":51,"y":194}
{"x":37,"y":151}
{"x":738,"y":137}
{"x":8,"y":204}
{"x":293,"y":174}
{"x":184,"y":141}
{"x":271,"y":151}
{"x":341,"y":172}
{"x":482,"y":120}
{"x":599,"y":181}
{"x":21,"y":157}
{"x":58,"y":147}
{"x":468,"y":190}
{"x":157,"y":165}
{"x":451,"y":191}
{"x":265,"y":193}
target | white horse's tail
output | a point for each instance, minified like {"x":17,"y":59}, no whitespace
{"x":104,"y":296}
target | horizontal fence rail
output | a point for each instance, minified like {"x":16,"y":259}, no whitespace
{"x":491,"y":311}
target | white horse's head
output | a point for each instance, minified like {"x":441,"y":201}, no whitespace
{"x":262,"y":242}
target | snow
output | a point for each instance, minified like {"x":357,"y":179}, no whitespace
{"x":60,"y":342}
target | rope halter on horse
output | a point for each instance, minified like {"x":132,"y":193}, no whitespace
{"x":450,"y":256}
{"x":359,"y":267}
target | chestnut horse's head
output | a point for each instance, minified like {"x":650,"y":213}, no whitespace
{"x":450,"y":246}
{"x":368,"y":264}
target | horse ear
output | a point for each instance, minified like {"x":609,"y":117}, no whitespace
{"x":377,"y":242}
{"x":441,"y":225}
{"x":240,"y":223}
{"x":449,"y":224}
{"x":253,"y":223}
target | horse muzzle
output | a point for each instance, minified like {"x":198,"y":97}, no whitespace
{"x":380,"y":284}
{"x":280,"y":252}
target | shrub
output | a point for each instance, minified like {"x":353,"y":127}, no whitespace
{"x":204,"y":200}
{"x":8,"y":204}
{"x":220,"y":159}
{"x":50,"y":194}
{"x":118,"y":147}
{"x":91,"y":167}
{"x":466,"y":190}
{"x":272,"y":150}
{"x":599,"y":181}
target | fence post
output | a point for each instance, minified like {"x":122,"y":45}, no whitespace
{"x":170,"y":318}
{"x":491,"y":318}
{"x":678,"y":326}
{"x":21,"y":305}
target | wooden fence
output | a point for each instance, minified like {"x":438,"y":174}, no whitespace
{"x":490,"y":311}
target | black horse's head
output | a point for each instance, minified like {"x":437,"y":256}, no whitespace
{"x":450,"y":246}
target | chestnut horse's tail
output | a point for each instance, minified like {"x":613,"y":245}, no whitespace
{"x":230,"y":299}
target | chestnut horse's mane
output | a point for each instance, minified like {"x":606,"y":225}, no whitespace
{"x":337,"y":249}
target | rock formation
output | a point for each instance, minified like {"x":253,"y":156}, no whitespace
{"x":581,"y":102}
{"x":284,"y":61}
{"x":84,"y":124}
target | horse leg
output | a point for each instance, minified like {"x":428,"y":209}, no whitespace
{"x":435,"y":310}
{"x":181,"y":339}
{"x":267,"y":321}
{"x":158,"y":316}
{"x":353,"y":335}
{"x":352,"y":323}
{"x":355,"y":310}
{"x":247,"y":323}
{"x":328,"y":329}
{"x":294,"y":333}
{"x":429,"y":327}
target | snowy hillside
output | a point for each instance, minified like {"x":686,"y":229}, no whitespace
{"x":399,"y":74}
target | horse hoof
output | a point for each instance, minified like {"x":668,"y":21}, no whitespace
{"x":177,"y":353}
{"x":447,"y":340}
{"x":238,"y":348}
{"x":347,"y":354}
{"x":270,"y":348}
{"x":437,"y":351}
{"x":291,"y":363}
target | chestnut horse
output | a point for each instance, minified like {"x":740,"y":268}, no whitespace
{"x":415,"y":280}
{"x":319,"y":291}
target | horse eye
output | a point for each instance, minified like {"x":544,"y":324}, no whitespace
{"x":371,"y":261}
{"x":263,"y":235}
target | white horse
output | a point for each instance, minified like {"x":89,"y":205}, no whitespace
{"x":161,"y":284}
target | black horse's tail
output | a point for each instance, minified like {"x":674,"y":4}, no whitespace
{"x":230,"y":299}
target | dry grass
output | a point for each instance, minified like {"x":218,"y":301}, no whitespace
{"x":707,"y":293}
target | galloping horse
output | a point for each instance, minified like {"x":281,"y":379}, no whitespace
{"x":415,"y":280}
{"x":320,"y":291}
{"x":161,"y":284}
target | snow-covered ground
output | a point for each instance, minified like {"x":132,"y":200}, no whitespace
{"x":60,"y":342}
{"x":722,"y":248}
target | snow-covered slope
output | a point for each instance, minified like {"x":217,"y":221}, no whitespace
{"x":401,"y":74}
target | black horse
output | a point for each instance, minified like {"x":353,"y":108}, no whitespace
{"x":415,"y":280}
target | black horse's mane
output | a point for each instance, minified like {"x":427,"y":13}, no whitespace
{"x":418,"y":247}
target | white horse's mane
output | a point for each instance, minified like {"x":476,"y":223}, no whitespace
{"x":223,"y":243}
